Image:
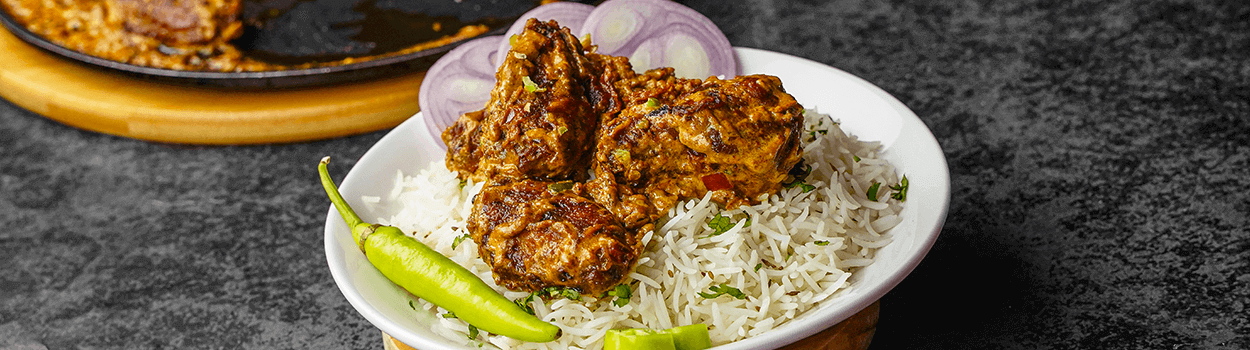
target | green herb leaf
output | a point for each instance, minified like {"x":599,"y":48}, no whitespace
{"x":571,"y":294}
{"x":472,"y":332}
{"x":449,"y":314}
{"x":524,"y":303}
{"x":723,"y":289}
{"x":412,"y":305}
{"x":759,"y":266}
{"x":653,"y":103}
{"x":567,"y":293}
{"x":856,"y":159}
{"x":901,"y":190}
{"x":872,"y":191}
{"x":456,"y":242}
{"x":822,"y":243}
{"x":562,"y":129}
{"x":806,"y":188}
{"x":797,"y":175}
{"x":622,"y":292}
{"x":721,"y":224}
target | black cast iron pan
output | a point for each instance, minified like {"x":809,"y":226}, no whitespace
{"x":293,"y":32}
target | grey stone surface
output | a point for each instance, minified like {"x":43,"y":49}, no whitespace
{"x":1098,"y":152}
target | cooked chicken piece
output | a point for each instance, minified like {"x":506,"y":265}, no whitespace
{"x":651,"y":139}
{"x":536,"y":234}
{"x":740,"y":137}
{"x":542,"y":115}
{"x":179,"y":22}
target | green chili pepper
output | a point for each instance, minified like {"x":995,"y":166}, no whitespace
{"x":429,"y":275}
{"x":692,"y":337}
{"x":622,"y":339}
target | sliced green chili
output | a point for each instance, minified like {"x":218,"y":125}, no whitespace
{"x":530,"y":85}
{"x":691,"y":337}
{"x":622,"y":292}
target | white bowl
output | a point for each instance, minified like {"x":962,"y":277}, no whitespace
{"x":863,"y":109}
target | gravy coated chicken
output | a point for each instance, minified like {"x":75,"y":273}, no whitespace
{"x":560,"y":112}
{"x":535,"y":234}
{"x":541,"y":118}
{"x":737,"y":138}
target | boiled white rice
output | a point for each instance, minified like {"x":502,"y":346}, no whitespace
{"x":787,"y":254}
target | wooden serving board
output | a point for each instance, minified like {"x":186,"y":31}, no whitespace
{"x":114,"y":103}
{"x":854,"y":333}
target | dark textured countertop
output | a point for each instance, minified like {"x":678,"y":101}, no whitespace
{"x":1099,"y":168}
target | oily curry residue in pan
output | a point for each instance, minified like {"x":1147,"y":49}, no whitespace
{"x":221,"y":35}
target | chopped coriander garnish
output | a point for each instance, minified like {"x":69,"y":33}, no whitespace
{"x":449,"y":314}
{"x":622,"y":292}
{"x":806,"y":188}
{"x":571,"y":294}
{"x":721,"y":224}
{"x":723,"y":289}
{"x":653,"y":103}
{"x":856,"y":159}
{"x":472,"y":332}
{"x":567,"y":293}
{"x":797,"y":175}
{"x":411,"y":305}
{"x":561,"y":130}
{"x":758,"y":266}
{"x":872,"y":191}
{"x":456,"y":242}
{"x":524,"y":303}
{"x":900,"y":190}
{"x":821,"y":243}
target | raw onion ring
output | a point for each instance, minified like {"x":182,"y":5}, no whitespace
{"x":458,"y":83}
{"x":661,"y":33}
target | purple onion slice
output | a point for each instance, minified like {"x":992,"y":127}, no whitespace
{"x":459,"y":82}
{"x":661,"y":33}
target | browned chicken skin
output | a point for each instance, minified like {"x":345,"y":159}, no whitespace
{"x":740,"y":136}
{"x":541,"y":118}
{"x":535,"y":235}
{"x":650,"y":139}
